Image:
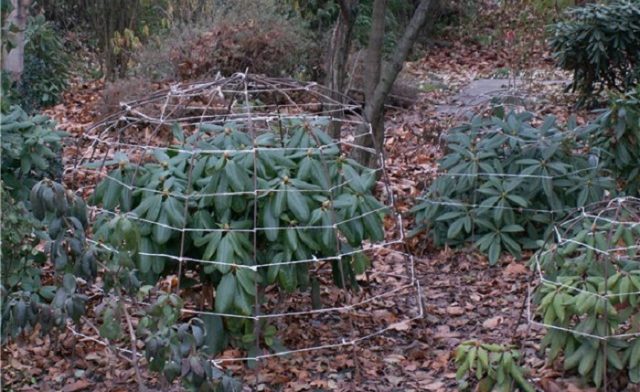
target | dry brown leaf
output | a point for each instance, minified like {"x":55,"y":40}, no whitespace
{"x":455,"y":310}
{"x":493,"y":322}
{"x":515,"y":269}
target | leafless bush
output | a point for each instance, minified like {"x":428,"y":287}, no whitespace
{"x":241,"y":34}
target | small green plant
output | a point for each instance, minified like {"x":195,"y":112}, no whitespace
{"x":172,"y":347}
{"x":505,"y":182}
{"x":179,"y":348}
{"x":589,"y":298}
{"x":494,"y":366}
{"x":46,"y":66}
{"x":600,"y":43}
{"x":31,"y":149}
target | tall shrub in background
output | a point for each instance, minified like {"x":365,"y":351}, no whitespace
{"x":615,"y":138}
{"x":600,"y":44}
{"x":46,"y":65}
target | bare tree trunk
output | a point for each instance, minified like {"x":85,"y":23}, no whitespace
{"x":373,"y":58}
{"x":338,"y":54}
{"x":13,"y":61}
{"x":374,"y":106}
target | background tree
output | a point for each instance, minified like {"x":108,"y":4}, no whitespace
{"x":13,"y":60}
{"x":379,"y":76}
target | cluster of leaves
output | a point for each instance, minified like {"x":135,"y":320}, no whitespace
{"x":495,"y":367}
{"x":600,"y":43}
{"x":321,"y":15}
{"x":593,"y":281}
{"x":46,"y":66}
{"x":171,"y":347}
{"x":506,"y":183}
{"x":25,"y":300}
{"x":178,"y":348}
{"x":31,"y":148}
{"x":615,"y":137}
{"x":291,"y":194}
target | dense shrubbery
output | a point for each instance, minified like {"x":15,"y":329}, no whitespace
{"x":262,"y":46}
{"x":600,"y":43}
{"x":239,"y":35}
{"x":46,"y":65}
{"x":60,"y":220}
{"x":294,"y":213}
{"x":506,"y":182}
{"x":592,"y":281}
{"x":30,"y":151}
{"x":31,"y":148}
{"x":615,"y":138}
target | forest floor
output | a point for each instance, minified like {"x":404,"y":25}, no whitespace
{"x":463,"y":297}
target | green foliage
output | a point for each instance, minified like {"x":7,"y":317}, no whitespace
{"x":592,"y":281}
{"x":615,"y":137}
{"x":506,"y":182}
{"x":25,"y":300}
{"x":288,"y":198}
{"x":322,"y":14}
{"x":600,"y":43}
{"x":172,"y":348}
{"x":20,"y":261}
{"x":46,"y":65}
{"x":177,"y":348}
{"x":31,"y":149}
{"x":494,"y":366}
{"x":7,"y":42}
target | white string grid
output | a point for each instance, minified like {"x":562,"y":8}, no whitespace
{"x":603,"y":220}
{"x":258,"y":106}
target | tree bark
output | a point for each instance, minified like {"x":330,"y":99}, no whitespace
{"x":373,"y":58}
{"x":13,"y":61}
{"x":374,"y":106}
{"x":337,"y":56}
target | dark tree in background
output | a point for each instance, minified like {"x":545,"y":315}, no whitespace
{"x":379,"y":76}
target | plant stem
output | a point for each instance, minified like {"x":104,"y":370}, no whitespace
{"x":134,"y":349}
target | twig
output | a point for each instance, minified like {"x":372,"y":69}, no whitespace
{"x":134,"y":348}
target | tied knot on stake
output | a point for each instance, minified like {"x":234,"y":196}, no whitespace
{"x":243,"y":195}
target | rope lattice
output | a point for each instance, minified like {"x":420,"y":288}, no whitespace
{"x":228,"y":147}
{"x":604,"y":239}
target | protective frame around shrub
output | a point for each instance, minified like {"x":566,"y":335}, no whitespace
{"x":596,"y":247}
{"x":155,"y":125}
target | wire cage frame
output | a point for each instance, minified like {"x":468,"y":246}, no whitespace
{"x":604,"y":224}
{"x":182,"y":121}
{"x":587,"y":285}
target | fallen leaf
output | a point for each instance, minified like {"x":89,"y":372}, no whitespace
{"x":76,"y":386}
{"x":401,"y":326}
{"x":515,"y":269}
{"x":455,"y":310}
{"x":493,"y":322}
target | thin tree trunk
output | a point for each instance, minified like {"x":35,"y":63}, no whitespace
{"x":13,"y":61}
{"x":373,"y":58}
{"x":337,"y":56}
{"x":374,"y":107}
